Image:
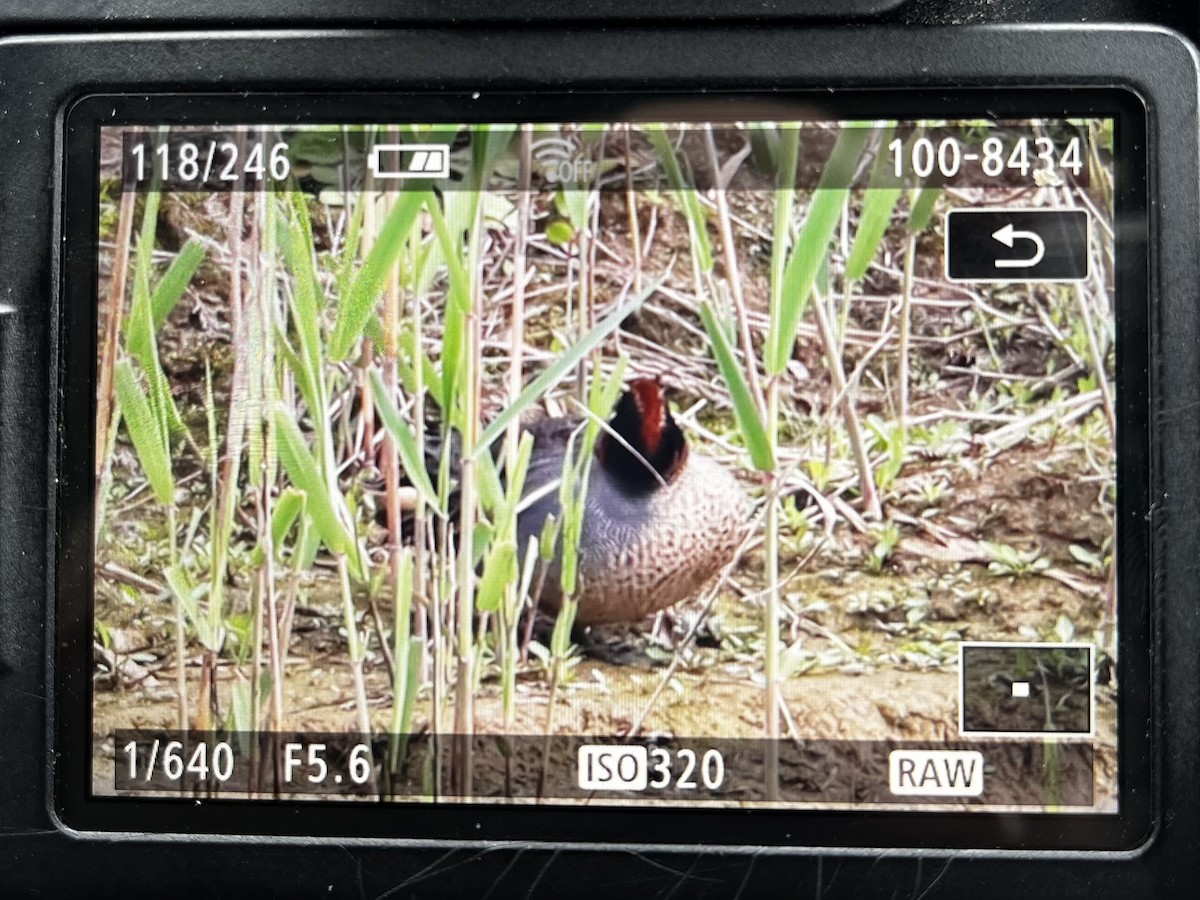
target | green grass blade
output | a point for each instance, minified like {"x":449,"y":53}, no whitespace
{"x":299,"y":368}
{"x":287,"y":511}
{"x":516,"y":480}
{"x":752,"y":427}
{"x":571,"y":504}
{"x":878,"y":205}
{"x":499,"y":570}
{"x":355,"y":221}
{"x":561,"y":366}
{"x":302,"y":469}
{"x":188,"y":596}
{"x":411,"y":357}
{"x":363,"y":292}
{"x":175,"y":280}
{"x":306,"y":548}
{"x":603,"y":396}
{"x":488,"y":484}
{"x":406,"y":444}
{"x":488,"y":145}
{"x":140,"y":330}
{"x":922,"y":208}
{"x":692,"y":208}
{"x":813,"y":243}
{"x":295,"y":237}
{"x":161,"y":400}
{"x":787,"y":150}
{"x":139,"y":336}
{"x":573,"y":490}
{"x":458,"y":304}
{"x":149,"y":440}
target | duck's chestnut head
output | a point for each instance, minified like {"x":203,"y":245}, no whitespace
{"x":644,"y":423}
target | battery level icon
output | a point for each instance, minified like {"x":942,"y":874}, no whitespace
{"x":409,"y":161}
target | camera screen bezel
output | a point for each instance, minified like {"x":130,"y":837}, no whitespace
{"x":608,"y":826}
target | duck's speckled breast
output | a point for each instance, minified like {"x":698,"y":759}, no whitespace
{"x":644,"y":553}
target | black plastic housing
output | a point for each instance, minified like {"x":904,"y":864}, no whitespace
{"x":43,"y":77}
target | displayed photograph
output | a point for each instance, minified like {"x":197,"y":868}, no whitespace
{"x":632,"y":463}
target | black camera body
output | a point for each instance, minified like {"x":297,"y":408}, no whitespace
{"x":57,"y":835}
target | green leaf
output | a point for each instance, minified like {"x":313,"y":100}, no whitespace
{"x":575,"y":203}
{"x":300,"y":369}
{"x":892,"y":441}
{"x":406,"y":444}
{"x":359,"y":301}
{"x":175,"y":281}
{"x":317,"y":146}
{"x":287,"y":510}
{"x":189,"y":596}
{"x":922,"y":209}
{"x":487,"y":482}
{"x":353,"y":236}
{"x":517,"y":472}
{"x":481,"y":539}
{"x":282,"y":521}
{"x":1085,"y":556}
{"x":499,"y":571}
{"x":603,"y":396}
{"x":458,"y":304}
{"x":788,"y":150}
{"x":560,"y":233}
{"x":692,"y":208}
{"x":488,"y":144}
{"x":560,"y":638}
{"x":812,"y":246}
{"x":322,"y":506}
{"x":576,"y":474}
{"x":181,"y":586}
{"x":140,"y":329}
{"x":410,"y":359}
{"x":306,"y":548}
{"x":149,"y":439}
{"x":240,"y":707}
{"x":406,"y":651}
{"x":404,"y":584}
{"x":296,"y":239}
{"x":570,"y":502}
{"x":751,"y":425}
{"x":878,"y":204}
{"x":139,"y":336}
{"x":548,"y":538}
{"x":161,"y":400}
{"x":556,"y":370}
{"x":431,"y":259}
{"x":1004,"y":554}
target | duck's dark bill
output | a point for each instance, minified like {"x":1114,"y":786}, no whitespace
{"x":755,"y":453}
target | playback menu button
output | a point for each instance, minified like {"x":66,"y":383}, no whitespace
{"x":987,"y":245}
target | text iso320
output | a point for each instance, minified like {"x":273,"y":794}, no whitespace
{"x":633,"y":767}
{"x":205,"y":163}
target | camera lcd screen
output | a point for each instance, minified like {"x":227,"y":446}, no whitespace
{"x":754,"y":455}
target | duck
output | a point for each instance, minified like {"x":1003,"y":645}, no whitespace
{"x":661,"y":518}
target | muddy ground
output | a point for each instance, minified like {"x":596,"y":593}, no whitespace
{"x":869,"y":656}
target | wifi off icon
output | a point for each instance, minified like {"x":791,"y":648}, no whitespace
{"x":557,"y":163}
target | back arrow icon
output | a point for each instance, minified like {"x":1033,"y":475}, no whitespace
{"x":1007,"y":236}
